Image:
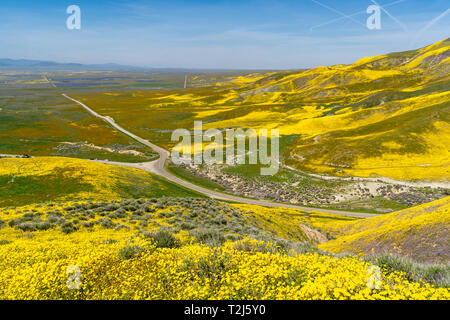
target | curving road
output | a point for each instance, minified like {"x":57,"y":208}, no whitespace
{"x":157,"y":167}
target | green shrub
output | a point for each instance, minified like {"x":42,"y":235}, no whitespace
{"x":210,"y":237}
{"x":26,"y":226}
{"x":187,"y":225}
{"x":89,"y":224}
{"x":68,"y":227}
{"x":53,"y":219}
{"x":121,"y":226}
{"x":120,"y":213}
{"x":45,"y":225}
{"x":435,"y":274}
{"x":150,"y":209}
{"x":130,"y":252}
{"x":248,"y":246}
{"x":135,"y":217}
{"x":163,"y":239}
{"x":209,"y":267}
{"x":106,"y":223}
{"x":143,"y":223}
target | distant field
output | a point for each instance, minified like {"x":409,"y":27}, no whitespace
{"x":92,"y":80}
{"x":41,"y":122}
{"x":35,"y":119}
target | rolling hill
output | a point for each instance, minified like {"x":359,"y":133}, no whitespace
{"x":421,"y":233}
{"x":41,"y":179}
{"x":383,"y":116}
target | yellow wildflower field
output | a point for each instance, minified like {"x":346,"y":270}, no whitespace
{"x":36,"y":268}
{"x":421,"y":232}
{"x":118,"y":260}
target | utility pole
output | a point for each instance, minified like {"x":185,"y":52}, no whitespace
{"x":185,"y":81}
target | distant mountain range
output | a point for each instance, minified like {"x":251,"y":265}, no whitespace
{"x":25,"y":64}
{"x":42,"y":65}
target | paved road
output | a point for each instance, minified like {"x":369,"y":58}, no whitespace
{"x":157,"y":167}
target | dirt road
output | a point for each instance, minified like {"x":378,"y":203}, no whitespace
{"x":157,"y":167}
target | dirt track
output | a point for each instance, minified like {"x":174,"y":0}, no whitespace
{"x":157,"y":167}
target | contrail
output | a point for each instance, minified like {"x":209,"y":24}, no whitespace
{"x":336,"y":11}
{"x":391,"y":16}
{"x":429,"y":25}
{"x":352,"y":15}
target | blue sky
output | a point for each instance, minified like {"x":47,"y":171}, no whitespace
{"x":250,"y":34}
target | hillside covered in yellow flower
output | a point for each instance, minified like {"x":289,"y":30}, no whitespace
{"x":384,"y":116}
{"x":420,"y":232}
{"x":40,"y":179}
{"x":183,"y":249}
